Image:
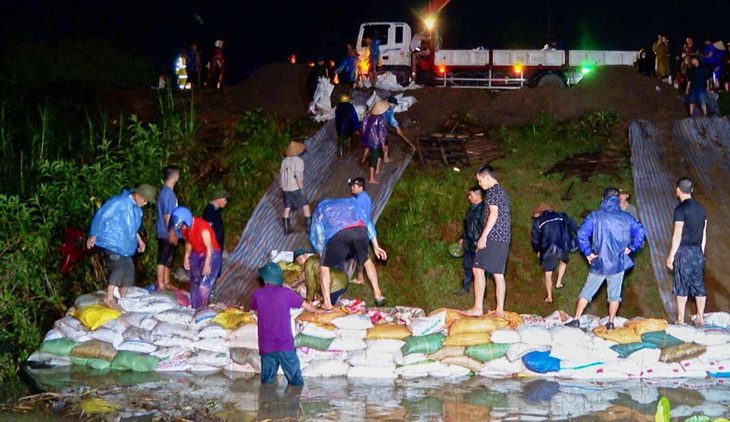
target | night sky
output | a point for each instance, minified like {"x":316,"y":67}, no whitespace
{"x":258,"y":32}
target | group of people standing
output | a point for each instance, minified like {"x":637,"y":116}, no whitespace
{"x":115,"y":231}
{"x":200,"y":72}
{"x":608,"y":238}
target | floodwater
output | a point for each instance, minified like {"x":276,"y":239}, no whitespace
{"x":240,"y":397}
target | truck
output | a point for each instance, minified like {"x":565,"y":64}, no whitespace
{"x":478,"y":68}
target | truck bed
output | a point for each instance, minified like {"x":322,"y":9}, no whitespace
{"x":545,"y":58}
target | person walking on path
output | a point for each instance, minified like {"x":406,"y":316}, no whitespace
{"x":272,"y":304}
{"x":687,"y":253}
{"x":607,"y":238}
{"x":473,"y":228}
{"x":346,"y":124}
{"x":114,"y":229}
{"x":374,"y":132}
{"x":553,"y":239}
{"x":212,"y":214}
{"x":166,"y":243}
{"x":340,"y":228}
{"x":292,"y":183}
{"x":202,"y":254}
{"x":493,"y":244}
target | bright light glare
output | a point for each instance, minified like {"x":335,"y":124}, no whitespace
{"x":430,"y":23}
{"x":585,"y":70}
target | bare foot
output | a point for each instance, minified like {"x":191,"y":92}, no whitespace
{"x":387,"y":160}
{"x":559,"y":286}
{"x":373,"y":182}
{"x":357,"y":281}
{"x":110,"y":302}
{"x":473,"y":312}
{"x":498,"y":313}
{"x":548,"y":300}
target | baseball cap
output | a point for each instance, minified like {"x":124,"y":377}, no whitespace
{"x":220,"y":193}
{"x":147,"y":192}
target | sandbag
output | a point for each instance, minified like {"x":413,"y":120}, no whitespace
{"x":154,"y":303}
{"x":541,"y":362}
{"x":171,"y":353}
{"x":450,"y":316}
{"x":447,"y":352}
{"x":93,"y":363}
{"x":477,"y":325}
{"x":686,"y":333}
{"x":302,"y":340}
{"x":465,"y":362}
{"x":134,"y":333}
{"x":307,"y":354}
{"x":517,"y":350}
{"x":720,"y":319}
{"x":110,"y":336}
{"x":246,"y":336}
{"x":371,"y":372}
{"x":143,"y":320}
{"x":423,"y":344}
{"x":58,"y":347}
{"x":182,"y":316}
{"x":232,"y":318}
{"x":620,"y":335}
{"x":325,"y":318}
{"x":139,"y":346}
{"x":53,"y":334}
{"x":487,"y":352}
{"x":562,"y":335}
{"x":204,"y":316}
{"x":133,"y":361}
{"x":318,"y":330}
{"x":534,"y":334}
{"x":660,"y":339}
{"x":172,"y":341}
{"x":115,"y":325}
{"x":216,"y":360}
{"x":353,"y":322}
{"x":385,"y":345}
{"x":212,"y":344}
{"x":244,"y":356}
{"x":94,"y":349}
{"x":213,"y":331}
{"x":645,"y":357}
{"x":347,"y":344}
{"x":514,"y":319}
{"x":505,"y":335}
{"x":171,"y":329}
{"x":450,"y":371}
{"x":87,"y":299}
{"x":627,"y":349}
{"x":174,"y":365}
{"x":646,"y":325}
{"x":557,"y":319}
{"x":358,"y":334}
{"x":371,"y":358}
{"x":683,"y":351}
{"x":49,"y":359}
{"x":467,"y":339}
{"x":428,"y":325}
{"x":326,"y":368}
{"x":388,"y":331}
{"x":420,"y":369}
{"x":502,"y":366}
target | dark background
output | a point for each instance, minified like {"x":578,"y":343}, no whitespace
{"x":259,"y":32}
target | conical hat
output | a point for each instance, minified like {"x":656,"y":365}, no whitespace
{"x":294,"y":148}
{"x":380,"y":107}
{"x":719,"y":45}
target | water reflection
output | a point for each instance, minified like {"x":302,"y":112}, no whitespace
{"x":241,"y":397}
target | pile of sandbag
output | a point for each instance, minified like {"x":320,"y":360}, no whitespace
{"x":155,"y":332}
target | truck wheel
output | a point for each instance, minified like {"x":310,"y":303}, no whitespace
{"x":551,"y":80}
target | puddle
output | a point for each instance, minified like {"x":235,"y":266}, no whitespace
{"x":241,"y":397}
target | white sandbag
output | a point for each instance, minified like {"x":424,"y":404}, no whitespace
{"x":404,"y":102}
{"x":326,"y":368}
{"x":171,"y":353}
{"x":71,"y":323}
{"x":387,"y":372}
{"x":505,"y":336}
{"x":398,"y":357}
{"x":110,"y":336}
{"x":589,"y":322}
{"x":49,"y":359}
{"x":321,"y":105}
{"x":235,"y":367}
{"x":686,"y":333}
{"x":604,"y":355}
{"x":670,"y":370}
{"x":357,"y":334}
{"x":137,"y":346}
{"x":217,"y":360}
{"x":318,"y":331}
{"x":151,"y":303}
{"x":307,"y":354}
{"x":712,"y":337}
{"x":88,"y":299}
{"x":557,"y":318}
{"x":172,"y":341}
{"x":617,"y":321}
{"x":562,"y":335}
{"x":246,"y":336}
{"x":570,"y":352}
{"x":374,"y":98}
{"x":450,"y":371}
{"x":143,"y":320}
{"x":174,"y":365}
{"x":645,"y":357}
{"x":420,"y":369}
{"x":171,"y":329}
{"x":592,"y":373}
{"x":73,"y":329}
{"x":215,"y":344}
{"x":132,"y":292}
{"x":580,"y":362}
{"x":371,"y":358}
{"x":716,"y":352}
{"x":347,"y":344}
{"x":353,"y":322}
{"x":428,"y":325}
{"x":517,"y":350}
{"x":720,"y":319}
{"x":53,"y":334}
{"x":204,"y":369}
{"x":598,"y":343}
{"x":502,"y":366}
{"x":203,"y":316}
{"x":414,"y":358}
{"x":384,"y":345}
{"x":134,"y":333}
{"x":534,"y":335}
{"x":213,"y":331}
{"x":696,"y":364}
{"x":179,"y":315}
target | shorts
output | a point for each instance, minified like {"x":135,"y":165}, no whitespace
{"x":550,"y":260}
{"x":594,"y":281}
{"x":165,"y":252}
{"x":689,"y":268}
{"x":493,"y":258}
{"x":295,"y":199}
{"x":695,"y":93}
{"x":375,"y":155}
{"x":353,"y":241}
{"x":121,"y":269}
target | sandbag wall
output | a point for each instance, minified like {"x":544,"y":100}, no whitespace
{"x":155,"y":332}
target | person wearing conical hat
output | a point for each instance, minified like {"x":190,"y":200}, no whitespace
{"x":553,"y":238}
{"x":373,"y":138}
{"x":292,"y":183}
{"x":346,"y":124}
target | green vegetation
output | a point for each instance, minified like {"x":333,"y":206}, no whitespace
{"x":723,"y":103}
{"x":423,"y":217}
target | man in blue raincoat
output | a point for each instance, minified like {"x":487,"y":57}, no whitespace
{"x":115,"y":230}
{"x":607,"y":238}
{"x":340,"y":227}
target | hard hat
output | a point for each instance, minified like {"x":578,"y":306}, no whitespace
{"x":180,"y":216}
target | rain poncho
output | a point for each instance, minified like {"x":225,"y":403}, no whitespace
{"x":374,"y":130}
{"x":333,"y":215}
{"x":116,"y":224}
{"x":612,"y":230}
{"x":347,"y":70}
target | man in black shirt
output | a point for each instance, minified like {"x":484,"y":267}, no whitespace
{"x":473,"y":227}
{"x":687,"y":254}
{"x":698,"y":87}
{"x":212,"y":214}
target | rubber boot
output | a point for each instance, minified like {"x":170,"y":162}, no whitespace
{"x":307,"y":223}
{"x":287,"y":225}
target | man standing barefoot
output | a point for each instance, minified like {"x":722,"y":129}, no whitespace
{"x":493,"y":244}
{"x":687,"y":254}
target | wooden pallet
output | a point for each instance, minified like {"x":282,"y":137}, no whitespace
{"x":447,"y":148}
{"x":586,"y":165}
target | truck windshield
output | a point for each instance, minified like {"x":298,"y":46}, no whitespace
{"x":375,"y":32}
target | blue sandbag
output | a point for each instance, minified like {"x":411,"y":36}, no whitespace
{"x":541,"y":362}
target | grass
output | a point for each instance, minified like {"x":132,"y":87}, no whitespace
{"x":425,"y":212}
